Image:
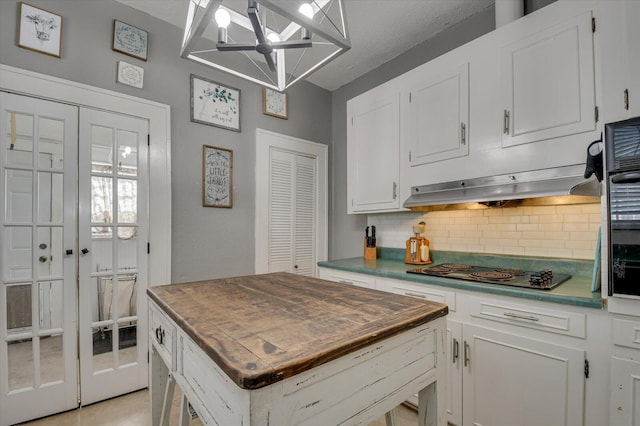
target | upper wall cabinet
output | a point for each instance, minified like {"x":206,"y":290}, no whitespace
{"x":438,"y":117}
{"x":548,"y":83}
{"x":373,"y":145}
{"x":618,"y":25}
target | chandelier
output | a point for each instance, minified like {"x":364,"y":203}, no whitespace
{"x":275,"y":43}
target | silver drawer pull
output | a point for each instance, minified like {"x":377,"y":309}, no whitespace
{"x":421,"y":296}
{"x":518,"y":316}
{"x":345,"y":282}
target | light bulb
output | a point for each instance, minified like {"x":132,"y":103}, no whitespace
{"x":222,"y":17}
{"x":273,"y":37}
{"x":306,"y":10}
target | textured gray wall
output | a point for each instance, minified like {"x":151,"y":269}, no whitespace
{"x":345,"y":231}
{"x":207,"y":242}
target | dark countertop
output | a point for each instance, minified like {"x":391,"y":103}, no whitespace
{"x":260,"y":329}
{"x":576,"y":291}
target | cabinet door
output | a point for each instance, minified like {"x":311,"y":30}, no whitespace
{"x":512,"y":380}
{"x":632,"y":14}
{"x":438,"y":117}
{"x":548,"y":83}
{"x":373,"y":144}
{"x":625,"y":392}
{"x":454,"y":362}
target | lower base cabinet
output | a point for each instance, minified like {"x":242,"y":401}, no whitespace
{"x":625,"y":392}
{"x":509,"y":379}
{"x":507,"y":374}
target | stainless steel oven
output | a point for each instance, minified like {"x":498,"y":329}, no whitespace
{"x":622,"y":143}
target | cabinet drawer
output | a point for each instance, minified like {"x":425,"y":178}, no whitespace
{"x":215,"y":399}
{"x":626,"y":333}
{"x":423,"y":292}
{"x":558,"y":322}
{"x":347,"y":278}
{"x":163,"y":335}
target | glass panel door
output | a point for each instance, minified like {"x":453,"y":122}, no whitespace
{"x":38,"y":340}
{"x":113,"y":254}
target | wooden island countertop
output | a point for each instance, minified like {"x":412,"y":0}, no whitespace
{"x":261,"y":329}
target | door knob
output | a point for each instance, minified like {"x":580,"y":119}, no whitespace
{"x":42,"y":259}
{"x":69,"y":252}
{"x":85,"y":250}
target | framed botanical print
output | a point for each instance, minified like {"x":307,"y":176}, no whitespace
{"x":215,"y":104}
{"x":39,"y":30}
{"x":275,"y":103}
{"x":217,"y":177}
{"x":130,"y":40}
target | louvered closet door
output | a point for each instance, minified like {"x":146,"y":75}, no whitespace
{"x":292,"y":210}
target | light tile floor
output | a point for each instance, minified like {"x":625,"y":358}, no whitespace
{"x":133,"y":410}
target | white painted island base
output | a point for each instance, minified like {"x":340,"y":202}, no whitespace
{"x":354,"y":389}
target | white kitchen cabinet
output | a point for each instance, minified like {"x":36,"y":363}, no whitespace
{"x":548,"y":81}
{"x":625,"y":392}
{"x":349,"y":278}
{"x":620,"y":59}
{"x":437,"y":117}
{"x":513,"y":380}
{"x":373,"y":145}
{"x":624,"y":407}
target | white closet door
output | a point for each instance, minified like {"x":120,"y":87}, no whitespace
{"x":113,"y":237}
{"x":291,"y":204}
{"x":38,"y":181}
{"x":292,"y":195}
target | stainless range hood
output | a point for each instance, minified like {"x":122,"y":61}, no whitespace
{"x":555,"y":186}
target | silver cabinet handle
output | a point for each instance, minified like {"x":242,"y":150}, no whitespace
{"x":626,"y":99}
{"x":506,"y":122}
{"x":467,"y":349}
{"x":463,"y":133}
{"x":421,"y":296}
{"x":345,"y":282}
{"x":395,"y":190}
{"x":456,"y":350}
{"x":518,"y":316}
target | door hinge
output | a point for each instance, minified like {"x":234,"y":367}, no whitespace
{"x":148,"y":248}
{"x":148,"y":140}
{"x":593,"y":24}
{"x":586,"y":368}
{"x":626,"y":99}
{"x":597,"y":114}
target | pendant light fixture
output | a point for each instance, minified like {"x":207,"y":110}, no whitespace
{"x":274,"y":43}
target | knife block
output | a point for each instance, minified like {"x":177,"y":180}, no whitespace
{"x":419,"y":246}
{"x":370,"y":253}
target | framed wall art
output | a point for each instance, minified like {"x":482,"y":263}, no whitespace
{"x":217,"y":177}
{"x":130,"y":40}
{"x":39,"y":30}
{"x":275,"y":103}
{"x":215,"y":104}
{"x":130,"y":75}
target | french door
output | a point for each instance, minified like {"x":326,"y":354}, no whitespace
{"x":38,"y":298}
{"x":73,"y":219}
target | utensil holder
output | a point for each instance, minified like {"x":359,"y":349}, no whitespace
{"x":415,"y":245}
{"x":370,"y":253}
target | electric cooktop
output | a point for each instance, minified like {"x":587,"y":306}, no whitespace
{"x":540,"y":280}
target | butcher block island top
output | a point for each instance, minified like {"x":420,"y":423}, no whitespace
{"x":261,"y":329}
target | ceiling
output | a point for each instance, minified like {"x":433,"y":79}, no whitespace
{"x":409,"y":22}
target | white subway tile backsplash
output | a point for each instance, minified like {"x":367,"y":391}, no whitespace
{"x":549,"y":231}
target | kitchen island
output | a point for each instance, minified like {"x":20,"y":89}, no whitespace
{"x":286,"y":350}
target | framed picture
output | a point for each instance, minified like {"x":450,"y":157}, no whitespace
{"x":130,"y":40}
{"x":130,"y":75}
{"x":217,"y":177}
{"x":275,"y":103}
{"x":39,"y":30}
{"x":215,"y":104}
